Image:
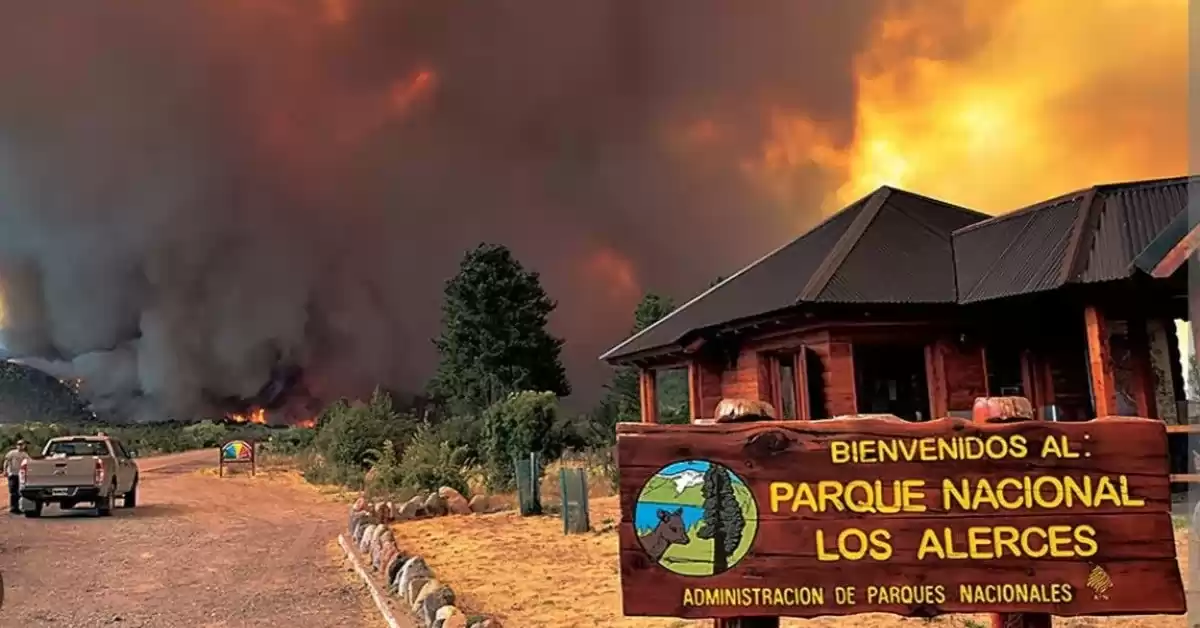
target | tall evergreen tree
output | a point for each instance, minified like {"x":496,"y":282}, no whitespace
{"x":722,"y":519}
{"x":494,"y":339}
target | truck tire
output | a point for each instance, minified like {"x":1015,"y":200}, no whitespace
{"x":131,"y":497}
{"x":104,"y":505}
{"x":36,"y":511}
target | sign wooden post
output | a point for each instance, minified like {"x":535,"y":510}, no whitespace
{"x":734,"y":412}
{"x":237,"y":452}
{"x":849,"y":516}
{"x":1009,"y":410}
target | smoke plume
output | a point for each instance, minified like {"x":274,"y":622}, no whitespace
{"x":197,"y":196}
{"x":193,"y":193}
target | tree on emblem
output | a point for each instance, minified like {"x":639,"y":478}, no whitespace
{"x":723,"y":522}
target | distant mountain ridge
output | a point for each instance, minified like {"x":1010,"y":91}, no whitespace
{"x":29,"y":395}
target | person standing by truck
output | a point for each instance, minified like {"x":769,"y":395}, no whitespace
{"x":12,"y":469}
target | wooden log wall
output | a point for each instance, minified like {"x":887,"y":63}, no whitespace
{"x":704,"y":387}
{"x":963,"y":368}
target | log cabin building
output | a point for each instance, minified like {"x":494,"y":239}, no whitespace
{"x":906,"y":305}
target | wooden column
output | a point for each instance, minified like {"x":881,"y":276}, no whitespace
{"x":1045,"y":374}
{"x":935,"y":379}
{"x":1009,"y":410}
{"x":648,"y":381}
{"x":803,"y":406}
{"x":695,"y":390}
{"x":1145,"y":389}
{"x":1104,"y":394}
{"x":1029,"y":379}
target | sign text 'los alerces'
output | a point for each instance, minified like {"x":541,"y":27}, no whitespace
{"x":808,"y":518}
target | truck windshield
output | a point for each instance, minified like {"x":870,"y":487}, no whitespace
{"x":77,"y":448}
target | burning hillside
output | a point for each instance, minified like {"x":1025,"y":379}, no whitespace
{"x":195,"y":195}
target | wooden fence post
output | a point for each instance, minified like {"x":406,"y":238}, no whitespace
{"x":1009,"y":410}
{"x":739,"y":411}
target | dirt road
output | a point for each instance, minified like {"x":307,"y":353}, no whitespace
{"x":197,"y":552}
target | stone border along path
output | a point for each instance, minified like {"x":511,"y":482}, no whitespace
{"x":408,"y":577}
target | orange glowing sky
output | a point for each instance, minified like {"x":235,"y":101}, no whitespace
{"x":1051,"y":96}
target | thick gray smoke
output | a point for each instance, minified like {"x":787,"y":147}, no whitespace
{"x":193,"y":193}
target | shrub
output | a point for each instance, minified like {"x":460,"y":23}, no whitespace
{"x":292,"y":440}
{"x":347,"y":434}
{"x":465,"y":433}
{"x":385,"y":475}
{"x":429,"y":463}
{"x":206,"y":434}
{"x":515,"y":427}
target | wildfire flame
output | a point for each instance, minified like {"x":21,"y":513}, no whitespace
{"x":259,"y":416}
{"x":256,"y":416}
{"x":1000,"y":105}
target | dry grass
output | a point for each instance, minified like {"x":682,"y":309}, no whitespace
{"x":280,"y":470}
{"x":528,"y":573}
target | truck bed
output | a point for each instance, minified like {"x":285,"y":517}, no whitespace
{"x":74,"y":471}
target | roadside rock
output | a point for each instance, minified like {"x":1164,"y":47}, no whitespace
{"x":411,"y":509}
{"x":382,"y":532}
{"x":387,"y":547}
{"x":359,"y":504}
{"x":478,"y":504}
{"x":383,"y":512}
{"x":392,"y":568}
{"x":385,"y":558}
{"x":356,"y":526}
{"x":415,"y":586}
{"x":413,"y":567}
{"x":435,"y":506}
{"x":376,"y":556}
{"x":448,"y":493}
{"x":449,"y":617}
{"x":364,"y":536}
{"x":455,"y":502}
{"x":432,"y":597}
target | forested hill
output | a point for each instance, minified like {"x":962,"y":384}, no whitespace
{"x":30,"y":395}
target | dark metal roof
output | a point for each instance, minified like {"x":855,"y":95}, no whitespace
{"x":898,"y":247}
{"x":1130,"y":218}
{"x":891,"y":246}
{"x":1016,"y":254}
{"x":1161,"y":246}
{"x":904,"y":257}
{"x":1086,"y":236}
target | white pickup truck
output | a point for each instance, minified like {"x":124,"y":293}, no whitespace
{"x":79,"y":469}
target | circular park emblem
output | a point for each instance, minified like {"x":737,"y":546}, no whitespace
{"x":696,"y":518}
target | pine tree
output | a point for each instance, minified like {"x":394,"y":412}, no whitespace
{"x":723,"y":521}
{"x":494,"y":339}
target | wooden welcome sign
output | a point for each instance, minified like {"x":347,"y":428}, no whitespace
{"x":237,"y":452}
{"x":837,"y":517}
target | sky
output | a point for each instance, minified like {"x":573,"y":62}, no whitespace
{"x":193,"y":193}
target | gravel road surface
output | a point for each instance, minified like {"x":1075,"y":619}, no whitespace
{"x":197,"y":552}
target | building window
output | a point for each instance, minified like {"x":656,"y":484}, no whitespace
{"x":785,"y":383}
{"x":797,"y":385}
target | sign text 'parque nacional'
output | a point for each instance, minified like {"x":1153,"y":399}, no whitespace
{"x":807,"y":518}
